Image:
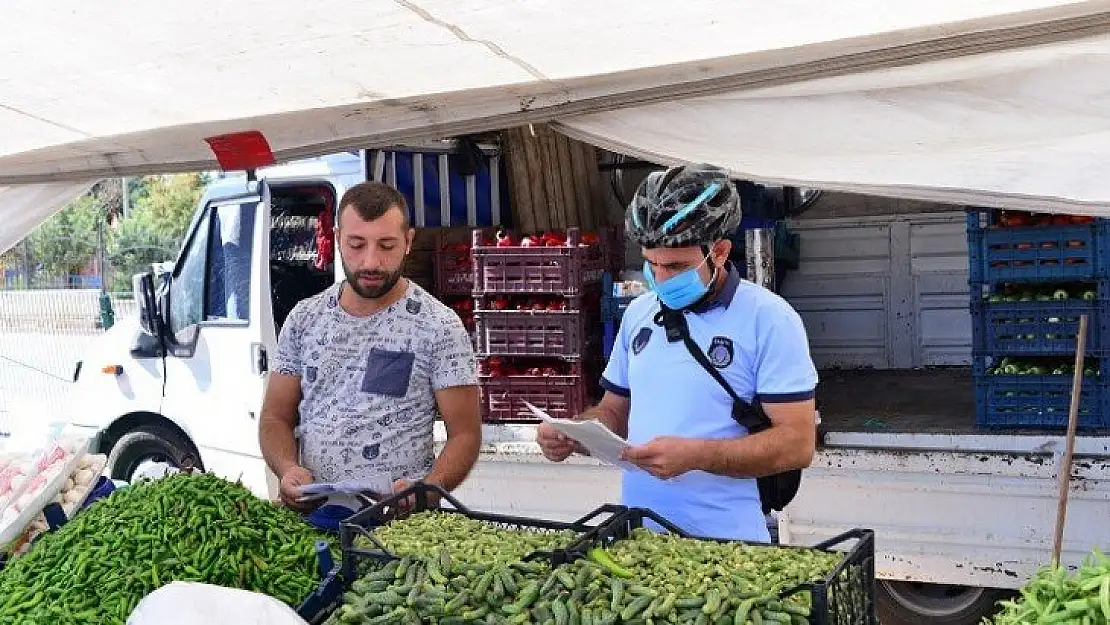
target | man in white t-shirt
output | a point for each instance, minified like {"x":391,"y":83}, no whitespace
{"x":363,"y":368}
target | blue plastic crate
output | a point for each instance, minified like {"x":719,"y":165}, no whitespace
{"x":612,"y":307}
{"x":1039,"y":328}
{"x":1036,"y":253}
{"x":1038,"y":401}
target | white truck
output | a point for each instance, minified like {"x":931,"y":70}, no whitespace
{"x":960,"y":515}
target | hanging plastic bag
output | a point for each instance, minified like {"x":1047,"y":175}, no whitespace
{"x":192,"y":603}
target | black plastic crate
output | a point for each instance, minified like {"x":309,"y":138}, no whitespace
{"x":424,"y":496}
{"x":846,"y":596}
{"x":318,"y":606}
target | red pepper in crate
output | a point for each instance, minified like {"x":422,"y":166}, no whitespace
{"x":552,"y":239}
{"x":500,"y":303}
{"x":590,"y":239}
{"x":531,"y":241}
{"x":547,"y":371}
{"x":557,"y":304}
{"x":504,"y":239}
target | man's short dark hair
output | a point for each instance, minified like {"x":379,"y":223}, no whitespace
{"x":371,"y":200}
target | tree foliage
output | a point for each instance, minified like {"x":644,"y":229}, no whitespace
{"x":66,"y":245}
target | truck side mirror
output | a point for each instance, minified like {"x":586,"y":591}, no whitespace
{"x":150,"y":318}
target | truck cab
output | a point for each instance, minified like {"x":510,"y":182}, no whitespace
{"x":256,"y":246}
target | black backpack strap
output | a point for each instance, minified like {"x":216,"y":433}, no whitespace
{"x":751,"y":417}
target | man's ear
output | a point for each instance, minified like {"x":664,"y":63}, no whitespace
{"x":721,"y":250}
{"x":410,"y":236}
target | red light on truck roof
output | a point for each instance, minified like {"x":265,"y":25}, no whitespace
{"x":241,"y":150}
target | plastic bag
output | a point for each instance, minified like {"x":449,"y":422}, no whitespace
{"x":192,"y":603}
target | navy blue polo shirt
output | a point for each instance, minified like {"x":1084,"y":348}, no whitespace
{"x":758,"y":343}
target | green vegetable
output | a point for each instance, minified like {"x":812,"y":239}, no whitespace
{"x":598,"y":555}
{"x":1055,"y":596}
{"x":98,"y":566}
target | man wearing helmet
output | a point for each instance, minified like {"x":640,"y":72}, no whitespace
{"x":699,"y":464}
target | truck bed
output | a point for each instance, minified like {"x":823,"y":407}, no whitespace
{"x":932,"y":401}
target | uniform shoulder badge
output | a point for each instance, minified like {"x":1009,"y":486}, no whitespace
{"x":641,"y":340}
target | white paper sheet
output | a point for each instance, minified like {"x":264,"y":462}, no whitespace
{"x":349,"y":493}
{"x":599,"y":440}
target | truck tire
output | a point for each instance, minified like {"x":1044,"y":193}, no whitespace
{"x":911,"y":603}
{"x":149,"y":444}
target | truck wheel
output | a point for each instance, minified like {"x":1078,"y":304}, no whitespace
{"x":911,"y":603}
{"x":146,"y":445}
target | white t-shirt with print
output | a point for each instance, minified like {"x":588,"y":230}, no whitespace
{"x":368,"y":383}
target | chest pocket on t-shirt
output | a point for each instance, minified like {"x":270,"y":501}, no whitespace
{"x":388,"y":372}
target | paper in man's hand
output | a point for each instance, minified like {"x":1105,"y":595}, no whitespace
{"x":599,"y":440}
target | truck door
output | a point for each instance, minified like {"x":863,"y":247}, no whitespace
{"x":220,"y":327}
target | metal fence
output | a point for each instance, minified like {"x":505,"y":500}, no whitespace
{"x":50,"y":317}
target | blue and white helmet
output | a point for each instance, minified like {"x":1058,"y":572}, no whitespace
{"x":685,"y":206}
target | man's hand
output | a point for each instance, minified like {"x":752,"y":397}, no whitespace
{"x":666,"y":456}
{"x":555,"y":445}
{"x":405,"y":506}
{"x":291,"y":482}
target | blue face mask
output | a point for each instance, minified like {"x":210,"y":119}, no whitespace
{"x":680,"y":290}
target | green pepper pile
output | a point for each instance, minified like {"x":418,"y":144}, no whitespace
{"x":453,"y":578}
{"x":1055,"y":596}
{"x":97,"y":567}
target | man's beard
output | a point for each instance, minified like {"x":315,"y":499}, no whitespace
{"x":389,"y":280}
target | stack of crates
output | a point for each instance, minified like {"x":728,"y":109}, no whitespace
{"x":1031,"y":278}
{"x":536,"y":309}
{"x":454,"y":276}
{"x":613,"y":304}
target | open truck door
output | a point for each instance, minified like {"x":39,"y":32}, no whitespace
{"x":219,"y":334}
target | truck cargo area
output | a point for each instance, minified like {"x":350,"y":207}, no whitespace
{"x":932,"y":400}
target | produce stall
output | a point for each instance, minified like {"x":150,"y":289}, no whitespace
{"x":453,"y":565}
{"x":98,"y":566}
{"x":443,"y":563}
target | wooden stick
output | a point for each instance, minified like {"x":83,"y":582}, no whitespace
{"x":1073,"y":419}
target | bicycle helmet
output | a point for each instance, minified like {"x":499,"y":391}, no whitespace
{"x":685,"y":206}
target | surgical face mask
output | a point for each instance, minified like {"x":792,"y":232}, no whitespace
{"x":680,"y":290}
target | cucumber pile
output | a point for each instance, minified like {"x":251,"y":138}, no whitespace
{"x":452,"y":578}
{"x":1013,"y":293}
{"x":1043,"y":366}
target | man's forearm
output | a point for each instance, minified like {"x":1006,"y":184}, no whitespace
{"x":608,"y":418}
{"x":765,"y":453}
{"x":279,"y":446}
{"x":454,"y":463}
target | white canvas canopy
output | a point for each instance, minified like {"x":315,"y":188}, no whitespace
{"x":1000,"y":102}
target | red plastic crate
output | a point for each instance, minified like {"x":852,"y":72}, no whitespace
{"x":454,"y":272}
{"x":564,"y":270}
{"x":561,"y":396}
{"x":533,"y":333}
